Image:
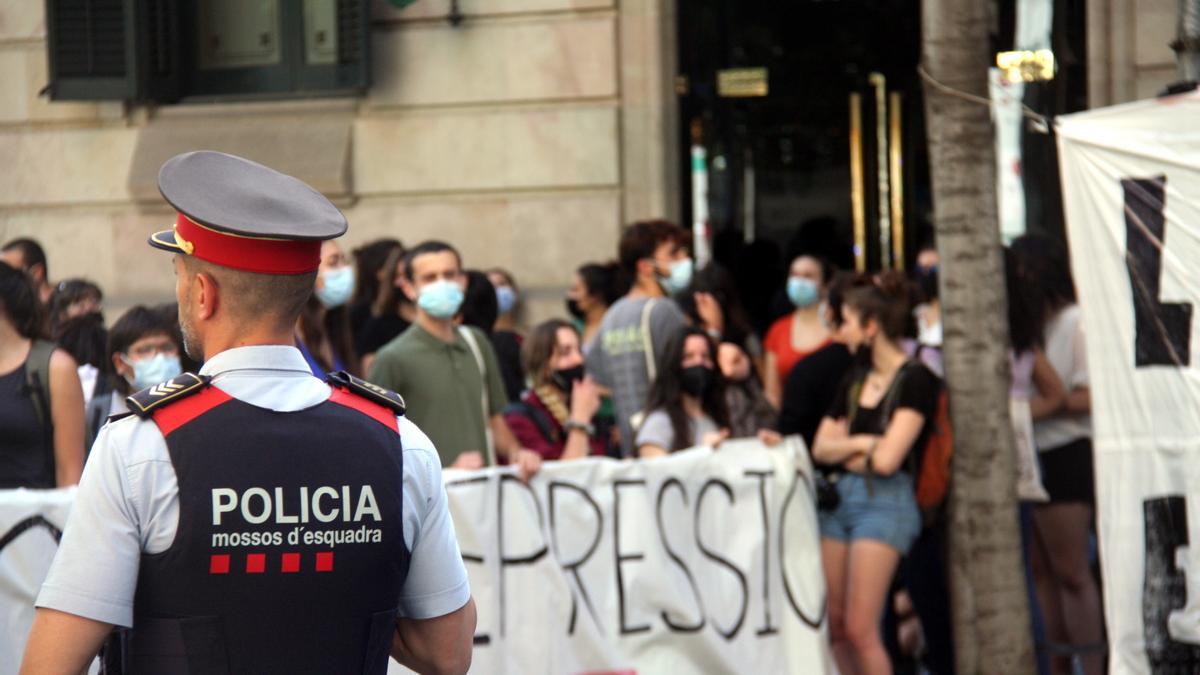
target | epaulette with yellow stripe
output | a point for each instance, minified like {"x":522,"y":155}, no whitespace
{"x":371,"y":392}
{"x":146,"y":401}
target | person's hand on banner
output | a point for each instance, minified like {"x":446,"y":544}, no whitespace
{"x":470,"y":460}
{"x":715,"y":438}
{"x":770,"y":437}
{"x":528,"y":463}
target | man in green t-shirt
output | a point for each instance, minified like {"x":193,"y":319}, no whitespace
{"x":448,"y":374}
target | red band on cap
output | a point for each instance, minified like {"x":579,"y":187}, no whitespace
{"x":266,"y":256}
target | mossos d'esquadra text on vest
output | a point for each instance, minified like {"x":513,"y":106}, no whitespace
{"x":299,"y":506}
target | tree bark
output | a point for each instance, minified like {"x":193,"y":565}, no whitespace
{"x":987,"y":581}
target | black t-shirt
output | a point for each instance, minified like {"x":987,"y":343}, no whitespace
{"x":914,"y":387}
{"x":508,"y":355}
{"x":379,"y":331}
{"x":809,"y":390}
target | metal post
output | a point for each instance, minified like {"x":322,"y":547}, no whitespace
{"x":881,"y":170}
{"x":857,"y":187}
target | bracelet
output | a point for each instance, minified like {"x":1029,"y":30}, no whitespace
{"x":572,"y":425}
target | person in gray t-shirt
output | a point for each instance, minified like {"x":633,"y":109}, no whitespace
{"x":654,"y":255}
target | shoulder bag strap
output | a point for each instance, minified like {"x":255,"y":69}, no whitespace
{"x":648,"y":340}
{"x":484,"y":399}
{"x":37,"y":381}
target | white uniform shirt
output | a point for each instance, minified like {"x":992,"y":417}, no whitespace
{"x":128,"y":500}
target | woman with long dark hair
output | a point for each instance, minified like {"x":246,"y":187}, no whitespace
{"x":686,"y":405}
{"x":41,"y":400}
{"x":391,"y":314}
{"x":880,"y":414}
{"x":371,"y":273}
{"x":593,"y":290}
{"x":323,"y":330}
{"x":1067,"y":591}
{"x":555,"y":417}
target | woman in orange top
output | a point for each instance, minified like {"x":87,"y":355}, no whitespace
{"x":795,"y":336}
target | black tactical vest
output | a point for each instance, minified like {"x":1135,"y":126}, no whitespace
{"x":289,"y":555}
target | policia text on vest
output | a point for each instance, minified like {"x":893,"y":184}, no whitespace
{"x":325,"y":504}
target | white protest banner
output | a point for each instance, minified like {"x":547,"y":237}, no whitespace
{"x":1131,"y":187}
{"x":699,"y":562}
{"x":31,"y":522}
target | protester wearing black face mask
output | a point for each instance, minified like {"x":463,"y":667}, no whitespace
{"x":686,"y":406}
{"x":592,"y":291}
{"x":556,"y":417}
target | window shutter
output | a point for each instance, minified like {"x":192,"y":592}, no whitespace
{"x":90,"y":49}
{"x":354,"y":44}
{"x":159,"y":50}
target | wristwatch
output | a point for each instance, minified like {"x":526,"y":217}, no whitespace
{"x":586,"y":428}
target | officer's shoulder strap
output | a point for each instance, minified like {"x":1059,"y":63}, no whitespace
{"x":145,"y":402}
{"x":371,"y":392}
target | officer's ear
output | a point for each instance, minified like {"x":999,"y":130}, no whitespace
{"x":204,"y":295}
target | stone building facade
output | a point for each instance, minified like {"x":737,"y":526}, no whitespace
{"x":526,"y":135}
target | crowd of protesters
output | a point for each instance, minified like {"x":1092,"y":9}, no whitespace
{"x":651,"y":356}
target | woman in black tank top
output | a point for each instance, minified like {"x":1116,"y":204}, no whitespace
{"x":41,"y":400}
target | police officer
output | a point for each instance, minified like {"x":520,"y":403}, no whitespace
{"x":252,"y":518}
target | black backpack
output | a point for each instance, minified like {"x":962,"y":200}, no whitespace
{"x":539,"y":418}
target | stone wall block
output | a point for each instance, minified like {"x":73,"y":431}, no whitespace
{"x":22,"y":20}
{"x":438,"y":64}
{"x":564,"y":147}
{"x":65,"y":166}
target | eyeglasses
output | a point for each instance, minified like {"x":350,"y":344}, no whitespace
{"x":152,"y":349}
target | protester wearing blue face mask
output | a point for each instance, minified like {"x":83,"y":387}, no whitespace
{"x":506,"y":337}
{"x":143,"y":351}
{"x":323,"y":332}
{"x":635,"y":332}
{"x":802,"y":332}
{"x":448,"y":373}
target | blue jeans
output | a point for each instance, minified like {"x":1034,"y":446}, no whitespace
{"x":889,"y":514}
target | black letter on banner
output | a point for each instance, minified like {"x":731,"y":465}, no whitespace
{"x":573,"y":567}
{"x":617,"y":485}
{"x":522,"y":560}
{"x":662,"y":534}
{"x":1163,"y":329}
{"x":711,"y":555}
{"x":762,"y":476}
{"x":801,"y":478}
{"x":482,"y":638}
{"x":1164,"y":588}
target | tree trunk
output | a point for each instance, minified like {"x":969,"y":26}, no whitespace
{"x":987,"y":580}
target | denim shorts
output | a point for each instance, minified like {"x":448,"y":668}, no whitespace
{"x":888,"y":515}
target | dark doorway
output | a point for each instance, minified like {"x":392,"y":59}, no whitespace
{"x":779,"y":170}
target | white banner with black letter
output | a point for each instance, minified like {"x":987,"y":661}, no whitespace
{"x":700,"y":562}
{"x":31,"y":523}
{"x":1131,"y":184}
